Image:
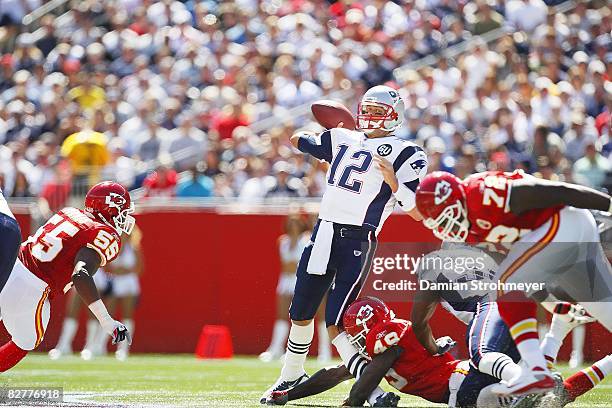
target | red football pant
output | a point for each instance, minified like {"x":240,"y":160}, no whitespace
{"x":10,"y":355}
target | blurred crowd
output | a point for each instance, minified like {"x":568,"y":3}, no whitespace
{"x":194,"y":98}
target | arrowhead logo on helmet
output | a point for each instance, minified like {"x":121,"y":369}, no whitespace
{"x":114,"y":200}
{"x":443,"y":191}
{"x":366,"y":312}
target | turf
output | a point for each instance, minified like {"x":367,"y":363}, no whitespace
{"x":182,"y":380}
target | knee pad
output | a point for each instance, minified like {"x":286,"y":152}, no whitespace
{"x":10,"y":232}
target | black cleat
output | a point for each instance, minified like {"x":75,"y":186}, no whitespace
{"x":388,"y":399}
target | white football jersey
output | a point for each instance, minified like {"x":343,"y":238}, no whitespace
{"x":356,"y":193}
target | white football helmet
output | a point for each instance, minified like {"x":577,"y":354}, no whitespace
{"x":384,"y":97}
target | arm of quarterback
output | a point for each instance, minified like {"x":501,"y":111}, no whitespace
{"x":318,"y":146}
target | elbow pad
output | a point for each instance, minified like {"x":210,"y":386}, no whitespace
{"x":405,"y":196}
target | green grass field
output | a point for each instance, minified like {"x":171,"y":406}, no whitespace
{"x":182,"y":380}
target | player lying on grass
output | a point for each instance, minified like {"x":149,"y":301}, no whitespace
{"x":554,"y":239}
{"x":398,"y":357}
{"x":491,"y":348}
{"x":65,"y":251}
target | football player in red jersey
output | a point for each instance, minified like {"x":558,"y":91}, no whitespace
{"x":65,"y":251}
{"x":398,"y":357}
{"x":554,"y":240}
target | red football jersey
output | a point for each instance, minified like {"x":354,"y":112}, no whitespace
{"x":416,"y":372}
{"x":488,"y":208}
{"x":50,"y":253}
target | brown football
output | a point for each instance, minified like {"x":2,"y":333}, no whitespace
{"x":330,"y":113}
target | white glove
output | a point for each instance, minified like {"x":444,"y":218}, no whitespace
{"x":445,"y":344}
{"x":115,"y":329}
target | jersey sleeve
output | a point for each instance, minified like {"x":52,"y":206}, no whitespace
{"x":410,"y":168}
{"x":385,"y":335}
{"x":318,"y":146}
{"x":105,"y":242}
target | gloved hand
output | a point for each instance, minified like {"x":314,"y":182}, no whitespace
{"x":117,"y":331}
{"x":445,"y":344}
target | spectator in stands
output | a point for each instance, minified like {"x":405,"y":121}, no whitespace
{"x":188,"y":143}
{"x":591,"y":170}
{"x":198,"y":185}
{"x":22,"y":187}
{"x":123,"y":68}
{"x":285,"y":186}
{"x":57,"y":190}
{"x":161,"y":183}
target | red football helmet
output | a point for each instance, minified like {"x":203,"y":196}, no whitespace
{"x":110,"y":203}
{"x":361,"y":316}
{"x":440,"y":198}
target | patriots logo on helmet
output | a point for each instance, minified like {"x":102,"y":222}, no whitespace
{"x":443,"y":191}
{"x":418,"y":165}
{"x":115,"y":200}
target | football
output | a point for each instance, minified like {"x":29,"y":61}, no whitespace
{"x":330,"y":113}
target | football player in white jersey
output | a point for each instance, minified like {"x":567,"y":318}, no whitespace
{"x":370,"y":171}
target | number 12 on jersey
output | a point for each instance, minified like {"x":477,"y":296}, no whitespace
{"x":360,"y":163}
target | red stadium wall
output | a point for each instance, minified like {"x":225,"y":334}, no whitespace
{"x":209,"y":268}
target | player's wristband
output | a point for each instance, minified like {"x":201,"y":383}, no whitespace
{"x":405,"y":196}
{"x":100,"y":311}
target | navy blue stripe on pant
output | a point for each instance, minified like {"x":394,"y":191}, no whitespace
{"x":487,"y":333}
{"x":348,"y":267}
{"x":10,"y":239}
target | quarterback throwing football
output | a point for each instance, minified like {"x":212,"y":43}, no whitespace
{"x":65,"y":251}
{"x":552,"y":238}
{"x":370,"y":172}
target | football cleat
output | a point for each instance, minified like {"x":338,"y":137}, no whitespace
{"x":572,"y":315}
{"x":269,"y":356}
{"x":57,"y":353}
{"x":87,"y":354}
{"x":557,"y":398}
{"x":278,"y":398}
{"x":388,"y":399}
{"x":281,"y":385}
{"x":535,"y":381}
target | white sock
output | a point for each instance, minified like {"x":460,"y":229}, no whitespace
{"x":553,"y":340}
{"x":354,"y":361}
{"x":298,"y":345}
{"x":578,"y":336}
{"x":499,"y":365}
{"x":279,"y":336}
{"x":90,"y":336}
{"x":324,"y":343}
{"x":129,"y":325}
{"x":69,"y":328}
{"x":605,"y":365}
{"x":543,"y":329}
{"x":531,"y":353}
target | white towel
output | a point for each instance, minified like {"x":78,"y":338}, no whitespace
{"x":321,"y":250}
